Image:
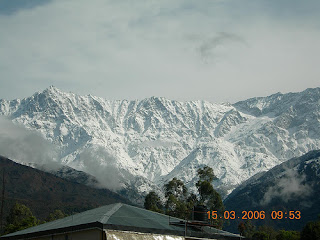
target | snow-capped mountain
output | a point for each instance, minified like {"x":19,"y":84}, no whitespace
{"x":146,"y":142}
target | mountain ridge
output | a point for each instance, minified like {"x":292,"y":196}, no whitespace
{"x":44,"y":192}
{"x":150,"y":138}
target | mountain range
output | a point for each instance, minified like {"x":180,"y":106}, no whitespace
{"x":141,"y":144}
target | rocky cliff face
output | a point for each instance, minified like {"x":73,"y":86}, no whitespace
{"x":147,"y":142}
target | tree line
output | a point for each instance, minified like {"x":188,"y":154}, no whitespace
{"x":21,"y":217}
{"x":179,"y":202}
{"x":311,"y":231}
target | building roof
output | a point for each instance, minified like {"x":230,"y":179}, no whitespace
{"x":115,"y":216}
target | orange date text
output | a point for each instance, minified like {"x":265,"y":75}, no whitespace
{"x":255,"y":215}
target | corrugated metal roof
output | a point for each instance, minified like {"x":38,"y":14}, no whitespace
{"x":115,"y":214}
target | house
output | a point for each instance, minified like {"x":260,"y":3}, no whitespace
{"x":120,"y":222}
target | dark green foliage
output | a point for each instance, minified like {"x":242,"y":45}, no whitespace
{"x":180,"y":204}
{"x":311,"y":231}
{"x":152,"y":202}
{"x":246,"y":229}
{"x":192,"y":200}
{"x":215,"y":202}
{"x":176,"y":188}
{"x":269,"y":231}
{"x":264,"y":232}
{"x":20,"y":217}
{"x":57,"y":214}
{"x":205,"y":190}
{"x":176,"y":207}
{"x":208,"y":196}
{"x":179,"y":208}
{"x":260,"y":236}
{"x":288,"y":235}
{"x":206,"y":174}
{"x":177,"y":195}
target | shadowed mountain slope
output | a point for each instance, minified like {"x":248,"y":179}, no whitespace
{"x":291,"y":186}
{"x":43,"y":192}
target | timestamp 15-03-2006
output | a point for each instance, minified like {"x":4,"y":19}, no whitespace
{"x":245,"y":215}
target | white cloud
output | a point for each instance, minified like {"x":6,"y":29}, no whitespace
{"x":26,"y":146}
{"x":290,"y":186}
{"x":99,"y":163}
{"x":213,"y":50}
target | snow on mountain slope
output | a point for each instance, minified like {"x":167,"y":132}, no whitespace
{"x":156,"y":139}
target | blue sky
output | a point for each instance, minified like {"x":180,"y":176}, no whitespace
{"x":215,"y":50}
{"x":8,"y":7}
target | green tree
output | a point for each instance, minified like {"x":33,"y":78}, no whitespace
{"x":208,"y":196}
{"x":152,"y":202}
{"x":206,"y":174}
{"x":192,"y":200}
{"x":246,"y":229}
{"x":177,"y":208}
{"x":204,"y":185}
{"x":269,"y":231}
{"x":176,"y":188}
{"x":260,"y":236}
{"x":177,"y":203}
{"x":288,"y":235}
{"x":57,"y":214}
{"x":311,"y":231}
{"x":20,"y":217}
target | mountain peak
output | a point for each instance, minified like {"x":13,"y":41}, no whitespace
{"x":155,"y":98}
{"x":52,"y":89}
